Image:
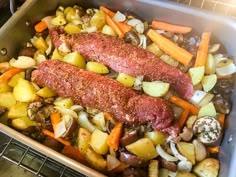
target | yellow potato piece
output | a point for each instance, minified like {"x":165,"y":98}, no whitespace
{"x":64,"y":102}
{"x":18,"y":110}
{"x":45,"y":92}
{"x":71,"y":28}
{"x":97,"y":67}
{"x":154,"y":49}
{"x":39,"y":43}
{"x":157,"y":137}
{"x":208,"y":82}
{"x":196,"y":74}
{"x":75,"y":59}
{"x":99,"y":142}
{"x":23,"y":123}
{"x":95,"y":160}
{"x":11,"y":101}
{"x":24,"y":91}
{"x":207,"y":168}
{"x":14,"y":80}
{"x":207,"y":110}
{"x":155,"y":88}
{"x":125,"y":79}
{"x":143,"y":148}
{"x":59,"y":20}
{"x":210,"y":67}
{"x":56,"y":55}
{"x":83,"y":139}
{"x":187,"y":150}
{"x":98,"y":19}
{"x":108,"y":30}
{"x":4,"y":87}
{"x":185,"y":174}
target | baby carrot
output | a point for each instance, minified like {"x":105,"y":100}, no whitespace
{"x":73,"y":153}
{"x":221,"y":119}
{"x":107,"y":11}
{"x":170,"y":27}
{"x":123,"y":27}
{"x":51,"y":134}
{"x":114,"y":137}
{"x":8,"y":74}
{"x":55,"y":119}
{"x":183,"y":118}
{"x":213,"y":149}
{"x":114,"y":26}
{"x":203,"y":50}
{"x":184,"y":104}
{"x":41,"y":26}
{"x":170,"y":48}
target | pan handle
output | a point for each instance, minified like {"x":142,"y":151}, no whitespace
{"x":12,"y":6}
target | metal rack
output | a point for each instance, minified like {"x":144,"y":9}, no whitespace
{"x":33,"y":161}
{"x":224,"y":7}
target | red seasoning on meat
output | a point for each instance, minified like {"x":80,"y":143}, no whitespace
{"x":96,"y":91}
{"x":123,"y":57}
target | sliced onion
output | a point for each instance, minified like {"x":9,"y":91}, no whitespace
{"x":218,"y":58}
{"x":84,"y":122}
{"x":137,"y":24}
{"x":214,"y":48}
{"x":172,"y":174}
{"x":185,"y":166}
{"x":76,"y":108}
{"x":119,"y":17}
{"x":165,"y":155}
{"x":176,"y":153}
{"x":197,"y":97}
{"x":226,"y":70}
{"x":112,"y":162}
{"x":49,"y":43}
{"x":143,"y":41}
{"x":90,"y":29}
{"x":65,"y":111}
{"x":22,"y":62}
{"x":48,"y":20}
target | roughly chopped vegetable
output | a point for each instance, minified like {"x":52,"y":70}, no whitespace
{"x":155,"y":88}
{"x":183,"y":118}
{"x":114,"y":137}
{"x":98,"y":141}
{"x":41,"y":26}
{"x":48,"y":133}
{"x":8,"y":74}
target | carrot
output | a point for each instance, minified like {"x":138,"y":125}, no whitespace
{"x":184,"y":104}
{"x":114,"y":137}
{"x":170,"y":48}
{"x":203,"y":50}
{"x":123,"y":27}
{"x":170,"y":27}
{"x":213,"y":149}
{"x":107,"y":11}
{"x":221,"y":119}
{"x":41,"y":26}
{"x":183,"y":118}
{"x":114,"y":26}
{"x":8,"y":74}
{"x":55,"y":119}
{"x":73,"y":153}
{"x":51,"y":134}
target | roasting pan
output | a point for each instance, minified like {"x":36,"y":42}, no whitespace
{"x":19,"y":29}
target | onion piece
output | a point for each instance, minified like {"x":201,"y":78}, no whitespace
{"x":214,"y":48}
{"x":176,"y":153}
{"x":90,"y":29}
{"x":143,"y":41}
{"x":84,"y":122}
{"x":76,"y":108}
{"x":112,"y":162}
{"x":218,"y":58}
{"x":165,"y":155}
{"x":49,"y":43}
{"x":119,"y":17}
{"x":197,"y":97}
{"x":226,"y":70}
{"x":137,"y":24}
{"x":22,"y":62}
{"x":65,"y":111}
{"x":48,"y":20}
{"x":185,"y":166}
{"x":172,"y":174}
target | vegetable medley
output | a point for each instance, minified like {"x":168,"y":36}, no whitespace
{"x":95,"y":138}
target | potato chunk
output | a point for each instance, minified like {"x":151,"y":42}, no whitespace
{"x":187,"y":150}
{"x":99,"y":142}
{"x":207,"y":168}
{"x":11,"y":101}
{"x":18,"y":110}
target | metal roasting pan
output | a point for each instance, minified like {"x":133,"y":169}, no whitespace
{"x":19,"y":29}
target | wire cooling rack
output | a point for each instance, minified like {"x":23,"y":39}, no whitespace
{"x":224,"y":7}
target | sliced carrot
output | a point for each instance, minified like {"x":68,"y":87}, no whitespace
{"x":41,"y":26}
{"x":183,"y":118}
{"x":8,"y":74}
{"x":203,"y":50}
{"x":55,"y":119}
{"x":107,"y":11}
{"x":114,"y":26}
{"x":213,"y":149}
{"x":114,"y":137}
{"x":73,"y":153}
{"x":123,"y":27}
{"x":51,"y":134}
{"x":184,"y":104}
{"x":170,"y":48}
{"x":221,"y":119}
{"x":170,"y":27}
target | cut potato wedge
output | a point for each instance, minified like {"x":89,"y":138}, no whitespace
{"x":125,"y":79}
{"x":154,"y":49}
{"x":75,"y":59}
{"x":157,"y":137}
{"x":187,"y":150}
{"x":4,"y":87}
{"x":97,"y":67}
{"x":143,"y":148}
{"x":196,"y":74}
{"x":71,"y":28}
{"x":18,"y":110}
{"x":99,"y":142}
{"x":208,"y":82}
{"x":210,"y":67}
{"x":207,"y":110}
{"x":14,"y":80}
{"x":11,"y":101}
{"x":207,"y":168}
{"x":24,"y":91}
{"x":155,"y":88}
{"x":56,"y":55}
{"x":207,"y":99}
{"x":108,"y":30}
{"x":83,"y":139}
{"x":45,"y":92}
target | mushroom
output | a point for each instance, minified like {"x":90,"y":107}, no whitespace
{"x":168,"y":165}
{"x":223,"y":87}
{"x":28,"y":72}
{"x":187,"y":134}
{"x":132,"y":37}
{"x":208,"y":130}
{"x":132,"y":160}
{"x":129,"y":137}
{"x":33,"y":109}
{"x":71,"y":128}
{"x":28,"y":51}
{"x":221,"y":104}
